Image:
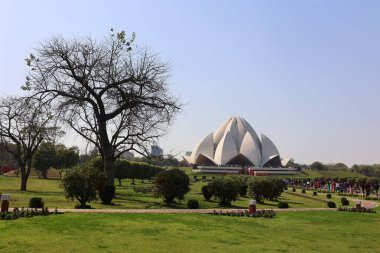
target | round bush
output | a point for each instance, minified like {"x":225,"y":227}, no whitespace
{"x":82,"y":184}
{"x":314,"y":193}
{"x":192,"y":204}
{"x":107,"y":194}
{"x":303,"y":191}
{"x":294,"y":189}
{"x":344,"y":201}
{"x":283,"y":205}
{"x":36,"y":202}
{"x":206,"y":193}
{"x":331,"y":204}
{"x":328,"y":195}
{"x":225,"y":189}
{"x":172,"y":184}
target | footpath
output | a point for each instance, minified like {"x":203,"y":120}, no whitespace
{"x":183,"y":210}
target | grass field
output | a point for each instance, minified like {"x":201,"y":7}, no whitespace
{"x":127,"y":198}
{"x":317,"y":231}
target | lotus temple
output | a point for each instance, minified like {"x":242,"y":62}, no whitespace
{"x":236,"y":148}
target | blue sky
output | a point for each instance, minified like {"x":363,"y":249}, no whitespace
{"x":305,"y":73}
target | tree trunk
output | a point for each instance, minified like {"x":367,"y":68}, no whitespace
{"x":24,"y":177}
{"x":24,"y":180}
{"x":109,"y":161}
{"x":119,"y":179}
{"x":44,"y":174}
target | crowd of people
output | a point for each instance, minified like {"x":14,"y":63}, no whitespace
{"x":350,"y":186}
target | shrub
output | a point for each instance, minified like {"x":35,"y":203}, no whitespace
{"x":344,"y":201}
{"x":36,"y":202}
{"x":192,"y":204}
{"x":82,"y":184}
{"x":294,"y":189}
{"x":206,"y":193}
{"x":283,"y":205}
{"x":315,"y":193}
{"x":328,"y":195}
{"x":241,"y":182}
{"x":303,"y":191}
{"x":268,"y":188}
{"x":172,"y":184}
{"x":27,"y":213}
{"x":107,"y":193}
{"x":358,"y":210}
{"x":331,"y":204}
{"x":224,"y":189}
{"x":260,"y":213}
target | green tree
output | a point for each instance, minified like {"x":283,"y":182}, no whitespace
{"x":172,"y":184}
{"x":362,"y":182}
{"x":257,"y":188}
{"x":65,"y":158}
{"x":122,"y":169}
{"x":317,"y":166}
{"x":375,"y":185}
{"x":44,"y":158}
{"x":82,"y":184}
{"x":225,"y":189}
{"x":241,"y":182}
{"x":274,"y":188}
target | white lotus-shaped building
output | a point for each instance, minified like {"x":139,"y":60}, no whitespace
{"x":235,"y":143}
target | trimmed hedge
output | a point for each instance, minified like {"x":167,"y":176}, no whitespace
{"x":283,"y":205}
{"x":192,"y":204}
{"x":206,"y":192}
{"x":331,"y":204}
{"x":344,"y":201}
{"x":36,"y":202}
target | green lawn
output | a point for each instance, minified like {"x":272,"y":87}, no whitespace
{"x":334,"y":196}
{"x":317,"y":231}
{"x":53,"y":196}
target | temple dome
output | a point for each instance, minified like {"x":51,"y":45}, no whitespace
{"x":235,"y":142}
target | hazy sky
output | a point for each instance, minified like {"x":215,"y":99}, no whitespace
{"x":305,"y":73}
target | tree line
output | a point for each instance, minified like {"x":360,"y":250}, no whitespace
{"x":129,"y":169}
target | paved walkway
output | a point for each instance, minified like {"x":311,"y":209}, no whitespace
{"x":183,"y":210}
{"x":365,"y":203}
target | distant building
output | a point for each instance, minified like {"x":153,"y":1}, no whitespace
{"x":188,"y":153}
{"x":156,"y":151}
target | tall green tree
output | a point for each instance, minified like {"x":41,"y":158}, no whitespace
{"x":44,"y":158}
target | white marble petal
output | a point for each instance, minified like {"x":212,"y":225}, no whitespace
{"x":204,"y":147}
{"x":226,"y":150}
{"x":269,"y":150}
{"x":250,"y":149}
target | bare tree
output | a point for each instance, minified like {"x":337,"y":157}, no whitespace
{"x":114,"y":97}
{"x":24,"y":123}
